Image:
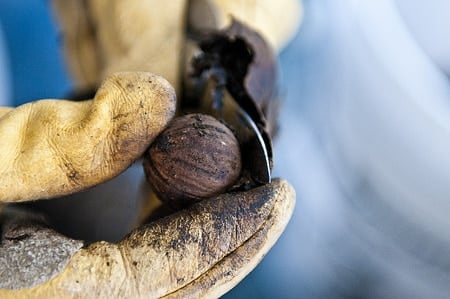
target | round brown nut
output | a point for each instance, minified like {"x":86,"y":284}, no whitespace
{"x":195,"y":157}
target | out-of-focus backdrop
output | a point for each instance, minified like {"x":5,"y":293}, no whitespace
{"x":365,"y":140}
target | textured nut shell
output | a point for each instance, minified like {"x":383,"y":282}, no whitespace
{"x":105,"y":36}
{"x":55,"y":147}
{"x":277,"y":21}
{"x":202,"y":251}
{"x":195,"y":157}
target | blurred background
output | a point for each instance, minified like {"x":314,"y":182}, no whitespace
{"x":365,"y":140}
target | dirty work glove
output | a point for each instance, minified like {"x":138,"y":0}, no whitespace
{"x":105,"y":36}
{"x":52,"y":148}
{"x":55,"y":147}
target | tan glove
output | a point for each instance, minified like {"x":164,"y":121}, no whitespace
{"x":53,"y":148}
{"x":105,"y":36}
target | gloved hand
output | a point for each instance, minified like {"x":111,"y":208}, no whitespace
{"x":105,"y":36}
{"x":52,"y":148}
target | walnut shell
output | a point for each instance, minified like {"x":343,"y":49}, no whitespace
{"x":195,"y":157}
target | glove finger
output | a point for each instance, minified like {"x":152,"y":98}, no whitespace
{"x":202,"y":251}
{"x":55,"y":147}
{"x":79,"y":39}
{"x":231,"y":269}
{"x":106,"y":36}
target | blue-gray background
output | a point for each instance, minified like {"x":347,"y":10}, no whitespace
{"x":364,"y":130}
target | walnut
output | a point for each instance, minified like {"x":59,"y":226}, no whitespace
{"x":195,"y":157}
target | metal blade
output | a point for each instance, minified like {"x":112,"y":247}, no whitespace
{"x":218,"y":102}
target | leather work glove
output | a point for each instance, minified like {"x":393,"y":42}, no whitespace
{"x":105,"y":36}
{"x":53,"y":148}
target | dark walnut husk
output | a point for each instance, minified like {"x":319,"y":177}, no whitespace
{"x":195,"y":157}
{"x":248,"y":65}
{"x":236,"y":64}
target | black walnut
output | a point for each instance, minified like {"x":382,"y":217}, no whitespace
{"x":195,"y":157}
